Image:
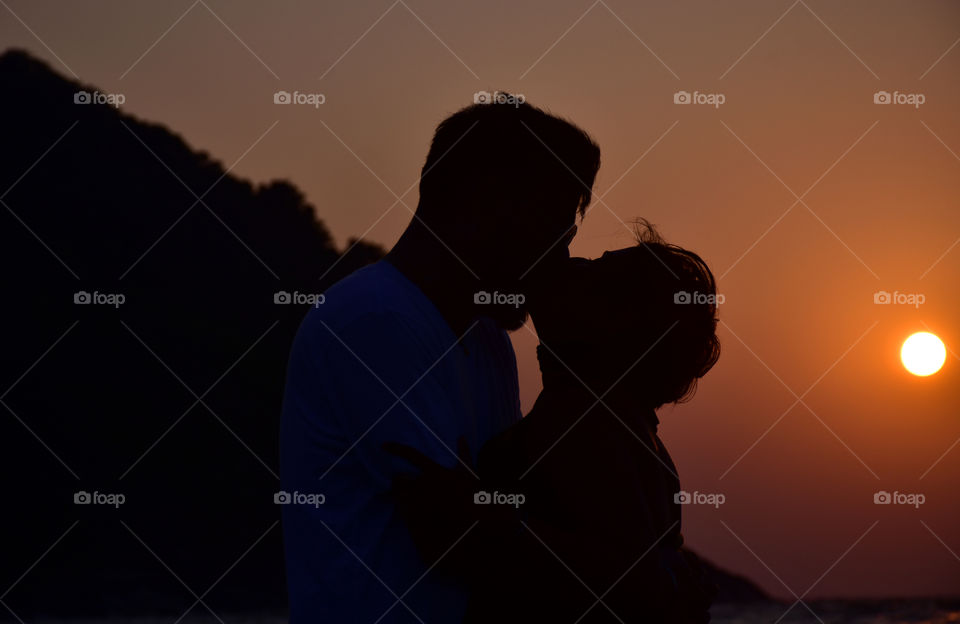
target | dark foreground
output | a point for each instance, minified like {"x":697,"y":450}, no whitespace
{"x":827,"y":612}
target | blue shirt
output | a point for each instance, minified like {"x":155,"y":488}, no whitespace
{"x":375,"y":363}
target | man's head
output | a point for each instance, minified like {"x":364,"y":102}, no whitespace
{"x":501,"y":188}
{"x":650,"y":309}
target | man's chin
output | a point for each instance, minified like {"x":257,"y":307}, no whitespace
{"x":511,"y":319}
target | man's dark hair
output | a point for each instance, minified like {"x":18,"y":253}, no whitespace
{"x":506,"y":151}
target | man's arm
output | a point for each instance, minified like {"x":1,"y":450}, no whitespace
{"x":349,"y":388}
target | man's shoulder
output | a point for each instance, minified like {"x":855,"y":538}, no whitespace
{"x":368,"y":289}
{"x":375,"y":291}
{"x":375,"y":303}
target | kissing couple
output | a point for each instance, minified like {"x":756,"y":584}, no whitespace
{"x":443,"y":503}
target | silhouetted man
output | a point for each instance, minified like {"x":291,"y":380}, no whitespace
{"x":413,"y":349}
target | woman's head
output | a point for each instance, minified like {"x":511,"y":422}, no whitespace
{"x":643,"y":318}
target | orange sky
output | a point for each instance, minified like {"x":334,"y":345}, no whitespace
{"x":799,"y":321}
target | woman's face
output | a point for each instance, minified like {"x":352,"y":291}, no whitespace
{"x":580,"y":306}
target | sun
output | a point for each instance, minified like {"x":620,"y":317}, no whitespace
{"x":923,"y":354}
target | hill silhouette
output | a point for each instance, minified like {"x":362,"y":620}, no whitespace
{"x":82,"y":218}
{"x":169,"y":398}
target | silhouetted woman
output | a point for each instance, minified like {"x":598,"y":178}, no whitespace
{"x":575,"y":517}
